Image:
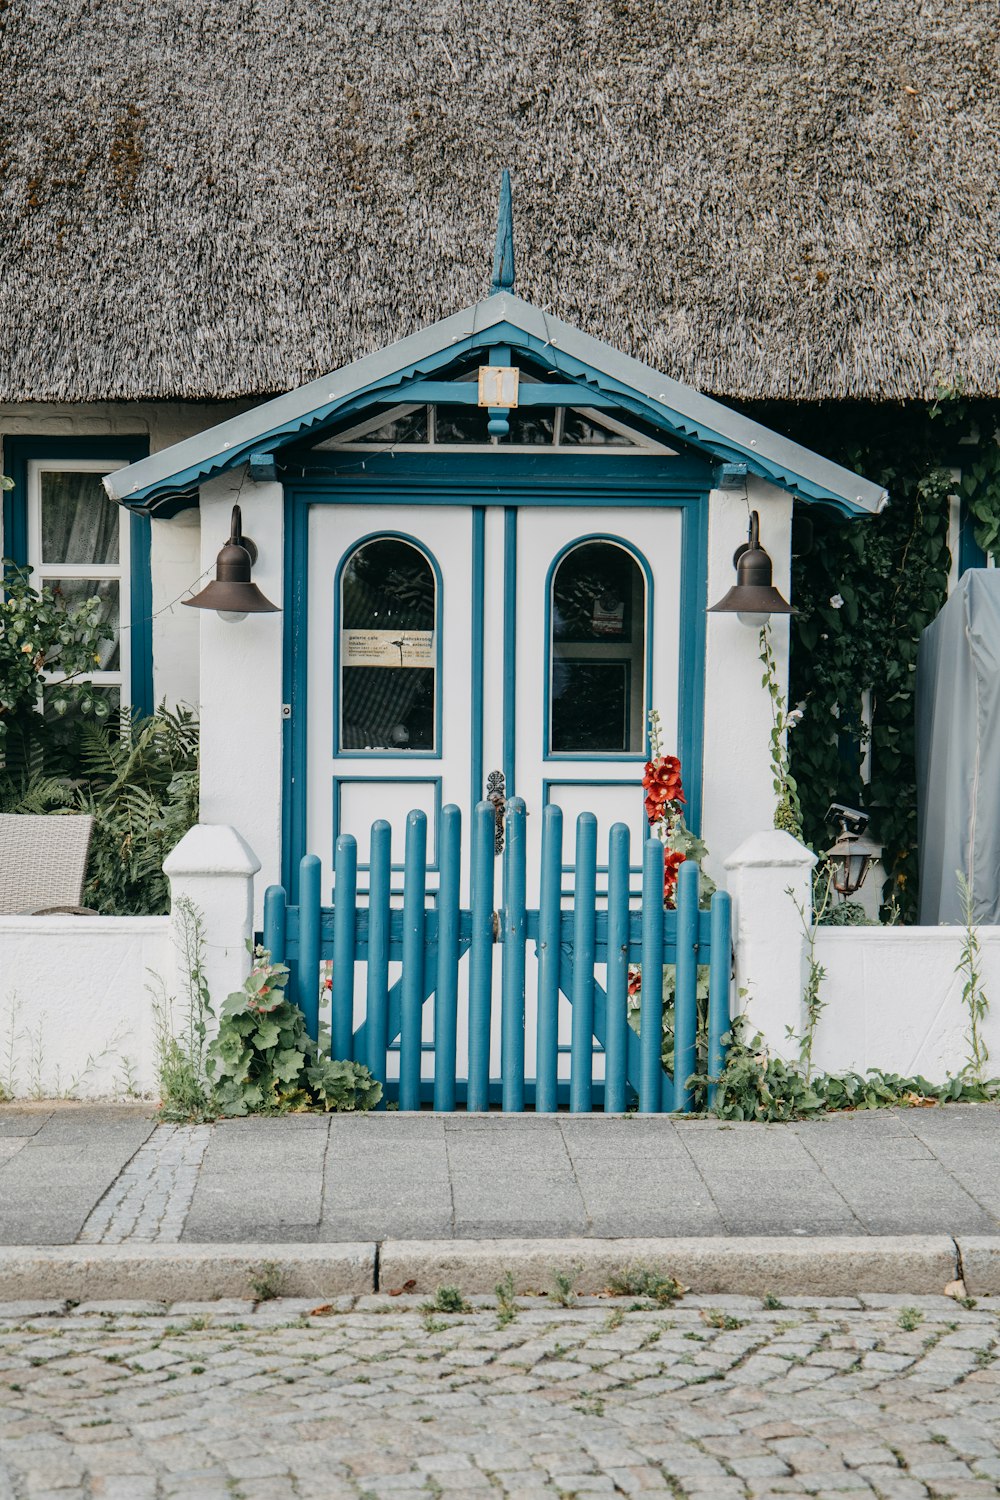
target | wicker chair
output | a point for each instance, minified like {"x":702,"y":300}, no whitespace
{"x":43,"y":861}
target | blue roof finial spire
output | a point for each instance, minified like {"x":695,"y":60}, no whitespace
{"x":503,"y":256}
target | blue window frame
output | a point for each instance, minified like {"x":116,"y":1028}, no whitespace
{"x":423,"y":682}
{"x":20,"y":454}
{"x":620,"y":642}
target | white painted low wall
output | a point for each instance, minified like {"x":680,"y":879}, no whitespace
{"x":893,"y":1000}
{"x":891,"y":997}
{"x":78,"y":995}
{"x":75,"y":1014}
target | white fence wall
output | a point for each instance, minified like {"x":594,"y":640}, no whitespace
{"x":75,"y":1015}
{"x":77,"y":993}
{"x":891,"y":997}
{"x":893,"y":1000}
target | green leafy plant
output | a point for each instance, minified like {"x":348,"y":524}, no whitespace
{"x":564,"y":1286}
{"x":843,"y":914}
{"x":180,"y":1055}
{"x":812,"y":998}
{"x":42,"y":641}
{"x":910,"y":1319}
{"x":646,"y":1281}
{"x":506,"y":1299}
{"x":757,"y":1085}
{"x":716,"y":1318}
{"x":973,"y":995}
{"x":447,"y":1299}
{"x":139,"y":778}
{"x":788,"y":811}
{"x":266,"y":1280}
{"x":263,"y":1060}
{"x":864,"y":590}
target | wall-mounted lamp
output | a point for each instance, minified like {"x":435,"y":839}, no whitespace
{"x":231,"y":593}
{"x":754,"y":598}
{"x":853,"y":853}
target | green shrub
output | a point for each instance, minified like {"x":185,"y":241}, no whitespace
{"x":263,"y":1060}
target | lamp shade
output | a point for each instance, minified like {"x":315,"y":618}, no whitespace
{"x":851,"y":857}
{"x":753,"y":597}
{"x":231,"y":593}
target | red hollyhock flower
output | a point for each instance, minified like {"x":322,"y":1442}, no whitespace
{"x":635,"y":982}
{"x":672,"y":861}
{"x":662,"y":785}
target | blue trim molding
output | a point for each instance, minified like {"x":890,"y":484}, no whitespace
{"x":432,"y":865}
{"x":18,"y":453}
{"x":478,"y":652}
{"x":510,"y":648}
{"x":556,"y":781}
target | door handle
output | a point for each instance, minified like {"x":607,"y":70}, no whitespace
{"x":496,"y":793}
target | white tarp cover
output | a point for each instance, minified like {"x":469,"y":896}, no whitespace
{"x":958,"y":752}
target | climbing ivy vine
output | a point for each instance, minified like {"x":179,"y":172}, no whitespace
{"x":864,"y":591}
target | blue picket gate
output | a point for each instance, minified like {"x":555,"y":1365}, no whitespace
{"x":432,"y":933}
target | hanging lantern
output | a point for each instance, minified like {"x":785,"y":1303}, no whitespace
{"x":853,"y":853}
{"x":231,"y":594}
{"x":753,"y":599}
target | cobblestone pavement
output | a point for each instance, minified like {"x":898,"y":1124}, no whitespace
{"x":151,"y":1198}
{"x":715,"y":1398}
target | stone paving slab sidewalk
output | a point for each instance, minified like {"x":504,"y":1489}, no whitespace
{"x":110,"y":1175}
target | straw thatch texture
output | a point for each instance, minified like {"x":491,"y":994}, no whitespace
{"x":208,"y":198}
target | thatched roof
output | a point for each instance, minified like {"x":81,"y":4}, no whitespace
{"x":218,"y":198}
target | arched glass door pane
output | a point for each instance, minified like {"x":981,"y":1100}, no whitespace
{"x":388,"y":648}
{"x":597,"y":652}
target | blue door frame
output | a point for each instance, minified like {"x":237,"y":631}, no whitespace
{"x":509,"y":482}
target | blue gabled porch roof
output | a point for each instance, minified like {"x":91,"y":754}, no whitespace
{"x":501,"y":319}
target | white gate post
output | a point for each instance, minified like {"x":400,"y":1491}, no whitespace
{"x":213,"y":868}
{"x":769,"y":933}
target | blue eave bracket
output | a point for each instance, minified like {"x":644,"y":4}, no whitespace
{"x":263,"y":466}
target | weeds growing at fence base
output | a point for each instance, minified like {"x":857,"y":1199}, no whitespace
{"x":756,"y":1085}
{"x":180,"y":1056}
{"x":973,"y":995}
{"x":27,"y":1045}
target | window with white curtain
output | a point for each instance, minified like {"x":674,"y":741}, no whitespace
{"x":78,"y":546}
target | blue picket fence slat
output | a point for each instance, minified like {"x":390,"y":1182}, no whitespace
{"x":432,"y":935}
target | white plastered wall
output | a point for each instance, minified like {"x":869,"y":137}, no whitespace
{"x":241,"y":680}
{"x":174,"y":545}
{"x":738,"y":797}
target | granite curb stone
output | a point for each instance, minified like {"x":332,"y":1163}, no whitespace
{"x":838,"y":1265}
{"x":712,"y":1266}
{"x":176,"y":1273}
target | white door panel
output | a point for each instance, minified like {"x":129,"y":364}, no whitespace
{"x":350,"y":787}
{"x":605,"y":782}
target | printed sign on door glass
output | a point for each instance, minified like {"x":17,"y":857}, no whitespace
{"x":388,"y":662}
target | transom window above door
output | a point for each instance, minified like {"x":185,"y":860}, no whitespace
{"x":597,"y":652}
{"x":418,"y":427}
{"x":389,"y":648}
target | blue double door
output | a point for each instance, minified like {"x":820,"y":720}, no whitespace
{"x":461,"y":651}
